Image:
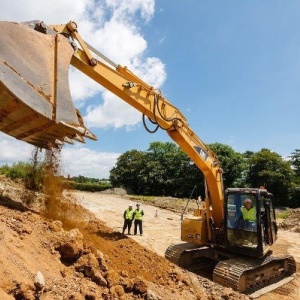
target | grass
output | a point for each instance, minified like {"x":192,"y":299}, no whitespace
{"x":282,"y":214}
{"x":169,"y":203}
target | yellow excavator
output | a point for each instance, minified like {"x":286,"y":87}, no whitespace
{"x":36,"y":107}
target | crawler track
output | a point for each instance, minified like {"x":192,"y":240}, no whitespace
{"x":243,"y":274}
{"x":246,"y":274}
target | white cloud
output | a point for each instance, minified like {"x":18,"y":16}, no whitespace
{"x":83,"y":161}
{"x":125,"y":10}
{"x":120,"y":42}
{"x":82,"y":87}
{"x":112,"y":113}
{"x":151,"y":70}
{"x":13,"y":150}
{"x":52,"y":12}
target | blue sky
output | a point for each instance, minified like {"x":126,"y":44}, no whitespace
{"x":231,"y":67}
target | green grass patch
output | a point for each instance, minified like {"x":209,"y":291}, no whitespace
{"x":283,"y":214}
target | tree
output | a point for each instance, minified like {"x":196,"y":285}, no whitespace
{"x":126,"y":172}
{"x":164,"y":169}
{"x":268,"y":169}
{"x":233,"y":164}
{"x":158,"y":159}
{"x":295,"y":161}
{"x":248,"y":154}
{"x":168,"y":171}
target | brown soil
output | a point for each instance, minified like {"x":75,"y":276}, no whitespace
{"x":79,"y":253}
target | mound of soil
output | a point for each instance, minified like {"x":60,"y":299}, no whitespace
{"x":55,"y":249}
{"x":292,"y":222}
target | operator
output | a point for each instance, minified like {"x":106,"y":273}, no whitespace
{"x":128,"y":218}
{"x":249,"y":215}
{"x":138,"y":219}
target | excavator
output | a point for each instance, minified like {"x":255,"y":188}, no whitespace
{"x":36,"y":107}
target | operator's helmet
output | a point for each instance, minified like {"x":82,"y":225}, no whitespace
{"x":248,"y":200}
{"x":130,"y":204}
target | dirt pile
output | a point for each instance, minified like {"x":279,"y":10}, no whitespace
{"x":75,"y":256}
{"x":292,"y":222}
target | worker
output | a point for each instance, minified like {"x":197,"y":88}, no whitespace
{"x":249,"y":215}
{"x":128,"y":218}
{"x":138,"y":219}
{"x":231,"y":219}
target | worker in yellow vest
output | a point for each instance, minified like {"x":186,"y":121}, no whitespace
{"x":249,"y":215}
{"x":128,"y":218}
{"x":138,"y":219}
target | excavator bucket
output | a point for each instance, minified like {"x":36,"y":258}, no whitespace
{"x":35,"y":100}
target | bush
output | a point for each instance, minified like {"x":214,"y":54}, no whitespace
{"x":19,"y":170}
{"x":87,"y":186}
{"x":36,"y":177}
{"x":32,"y":176}
{"x":4,"y":169}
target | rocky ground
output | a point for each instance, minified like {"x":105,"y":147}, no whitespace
{"x":61,"y":250}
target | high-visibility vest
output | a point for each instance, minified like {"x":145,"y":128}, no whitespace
{"x":250,"y":214}
{"x":139,"y":214}
{"x":128,"y":214}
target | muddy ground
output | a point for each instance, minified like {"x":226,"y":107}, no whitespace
{"x":74,"y":250}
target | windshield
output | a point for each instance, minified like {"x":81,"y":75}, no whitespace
{"x":241,"y":220}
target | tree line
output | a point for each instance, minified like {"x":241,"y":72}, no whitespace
{"x":165,"y":170}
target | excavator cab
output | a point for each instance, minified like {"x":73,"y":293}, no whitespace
{"x":250,"y":221}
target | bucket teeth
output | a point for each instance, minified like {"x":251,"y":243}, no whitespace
{"x":59,"y":142}
{"x":90,"y":135}
{"x":79,"y":138}
{"x":67,"y":140}
{"x":81,"y":130}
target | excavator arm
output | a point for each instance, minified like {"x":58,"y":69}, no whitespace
{"x":36,"y":106}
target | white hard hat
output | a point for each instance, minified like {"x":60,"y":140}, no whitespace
{"x":130,"y":204}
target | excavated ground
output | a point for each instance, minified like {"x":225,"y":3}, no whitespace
{"x":60,"y":250}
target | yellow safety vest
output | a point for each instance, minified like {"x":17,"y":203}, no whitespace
{"x":250,"y":214}
{"x":129,"y":214}
{"x":138,"y":214}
